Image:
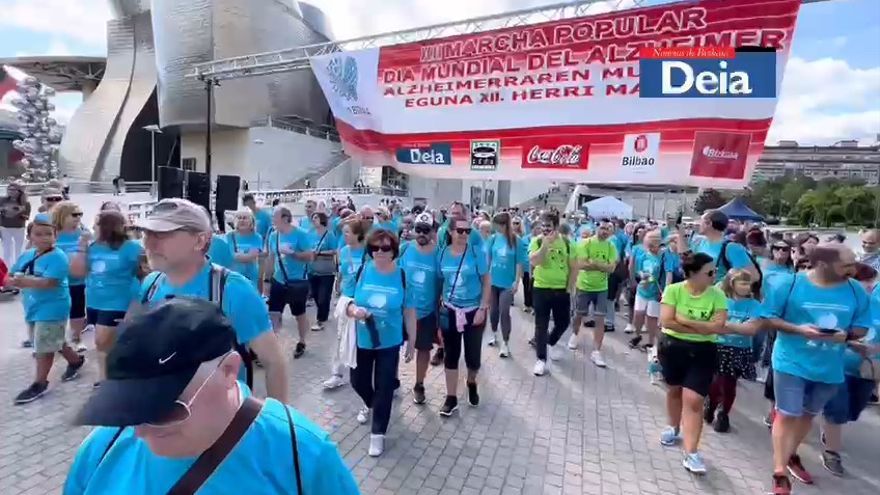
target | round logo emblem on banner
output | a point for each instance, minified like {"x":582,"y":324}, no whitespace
{"x":641,"y":143}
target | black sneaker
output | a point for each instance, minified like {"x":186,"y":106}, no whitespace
{"x":32,"y":393}
{"x":72,"y":370}
{"x":473,"y":396}
{"x":708,"y":412}
{"x":437,"y":359}
{"x":833,"y":463}
{"x":874,"y":400}
{"x":96,"y":385}
{"x":27,"y":344}
{"x":532,"y":342}
{"x":590,"y":324}
{"x":635,"y":341}
{"x":609,"y":328}
{"x":300,"y":350}
{"x":419,"y":393}
{"x":450,"y":405}
{"x":722,"y":422}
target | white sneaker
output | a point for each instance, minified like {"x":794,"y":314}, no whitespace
{"x":555,"y":353}
{"x":629,"y":328}
{"x":597,"y":359}
{"x":363,"y":415}
{"x":505,"y":350}
{"x":492,"y":338}
{"x":89,"y":328}
{"x":377,"y":445}
{"x":540,"y":368}
{"x":81,"y":348}
{"x":573,"y":341}
{"x":334,"y":381}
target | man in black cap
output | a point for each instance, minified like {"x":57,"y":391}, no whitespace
{"x":174,"y":419}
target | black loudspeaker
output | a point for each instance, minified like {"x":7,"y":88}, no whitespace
{"x":227,"y":192}
{"x":198,"y":189}
{"x":170,"y":182}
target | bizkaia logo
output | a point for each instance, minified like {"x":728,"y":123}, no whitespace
{"x":707,"y":72}
{"x":640,"y":152}
{"x":555,"y":153}
{"x":432,"y":154}
{"x":720,"y":155}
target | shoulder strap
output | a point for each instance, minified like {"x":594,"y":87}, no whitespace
{"x":234,"y":242}
{"x":210,"y":459}
{"x":280,"y":259}
{"x":110,"y":445}
{"x":28,"y":267}
{"x":217,"y":281}
{"x":722,"y":255}
{"x":788,"y":296}
{"x":151,"y":290}
{"x":402,"y":278}
{"x":297,"y":473}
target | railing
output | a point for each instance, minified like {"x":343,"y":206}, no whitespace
{"x":85,"y":187}
{"x":302,"y":126}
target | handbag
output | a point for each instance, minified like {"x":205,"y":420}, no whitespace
{"x":869,"y":369}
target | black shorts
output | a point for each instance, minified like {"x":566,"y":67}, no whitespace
{"x":77,"y":302}
{"x":104,"y":318}
{"x":293,"y":294}
{"x":426,"y":332}
{"x":688,"y":364}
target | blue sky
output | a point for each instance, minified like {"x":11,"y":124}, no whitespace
{"x":831,"y":89}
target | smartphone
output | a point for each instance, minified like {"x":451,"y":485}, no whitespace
{"x":829,"y":330}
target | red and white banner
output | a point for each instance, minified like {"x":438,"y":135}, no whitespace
{"x":559,"y":100}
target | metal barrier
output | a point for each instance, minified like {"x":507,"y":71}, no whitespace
{"x":85,"y":187}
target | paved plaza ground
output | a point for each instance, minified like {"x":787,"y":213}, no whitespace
{"x":578,"y":430}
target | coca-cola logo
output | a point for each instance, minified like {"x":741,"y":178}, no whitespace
{"x":565,"y":155}
{"x":641,"y":143}
{"x":711,"y":152}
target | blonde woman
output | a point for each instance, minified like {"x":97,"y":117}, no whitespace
{"x":246,"y":245}
{"x":67,"y":220}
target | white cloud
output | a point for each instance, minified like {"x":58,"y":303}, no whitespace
{"x":56,"y":47}
{"x":82,"y":20}
{"x":827,"y":100}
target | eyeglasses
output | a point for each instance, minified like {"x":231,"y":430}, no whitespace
{"x":77,"y":214}
{"x":366,"y":218}
{"x":423,"y":230}
{"x":182,"y":411}
{"x":54,"y":199}
{"x":463,"y":231}
{"x":385,"y":248}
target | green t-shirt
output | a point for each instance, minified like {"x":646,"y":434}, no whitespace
{"x":697,"y":308}
{"x":553,"y":272}
{"x":596,"y":251}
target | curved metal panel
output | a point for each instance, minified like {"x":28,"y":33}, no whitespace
{"x":192,"y":31}
{"x":125,"y":8}
{"x":317,"y":20}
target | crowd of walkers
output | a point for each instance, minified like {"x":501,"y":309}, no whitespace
{"x":181,"y":313}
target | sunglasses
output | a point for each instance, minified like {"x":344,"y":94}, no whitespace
{"x":423,"y":230}
{"x":463,"y":231}
{"x":711,"y":273}
{"x":385,"y":248}
{"x":182,"y":411}
{"x":366,"y":218}
{"x":77,"y":214}
{"x":54,"y":199}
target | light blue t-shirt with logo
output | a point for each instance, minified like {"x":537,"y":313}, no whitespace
{"x":384,"y":296}
{"x":646,"y":262}
{"x":245,"y":244}
{"x":504,"y":260}
{"x":853,"y":360}
{"x":465,"y":289}
{"x":524,"y":242}
{"x":736,"y":255}
{"x":110,"y":275}
{"x":263,"y":221}
{"x":299,"y":241}
{"x":350,"y":261}
{"x":130,"y":467}
{"x":740,"y":311}
{"x":45,"y":304}
{"x":422,"y":277}
{"x":798,"y":301}
{"x":69,"y":243}
{"x":220,"y":252}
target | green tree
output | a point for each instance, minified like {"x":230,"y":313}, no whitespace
{"x":709,"y":199}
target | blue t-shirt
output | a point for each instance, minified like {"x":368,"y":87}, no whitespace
{"x":220,"y":252}
{"x":648,"y":263}
{"x":465,"y":289}
{"x":384,"y":296}
{"x":772,"y":272}
{"x":740,"y":311}
{"x":263,"y":221}
{"x":852,"y":359}
{"x":245,"y":244}
{"x":45,"y":304}
{"x":242,"y":304}
{"x":524,"y":248}
{"x":349,"y":262}
{"x":422,"y":278}
{"x":621,"y":241}
{"x":306,"y":224}
{"x":110,"y":275}
{"x":504,"y":260}
{"x":260,"y":464}
{"x":294,"y":269}
{"x":69,"y":243}
{"x":843,"y":307}
{"x":474,"y":239}
{"x":736,"y":254}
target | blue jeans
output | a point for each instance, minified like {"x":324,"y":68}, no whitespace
{"x":796,"y":396}
{"x":374,"y":380}
{"x":851,"y":399}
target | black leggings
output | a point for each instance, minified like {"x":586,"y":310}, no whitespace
{"x":472,"y":338}
{"x":322,"y":292}
{"x":527,"y":289}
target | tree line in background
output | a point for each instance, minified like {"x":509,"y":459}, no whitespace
{"x":801,"y":200}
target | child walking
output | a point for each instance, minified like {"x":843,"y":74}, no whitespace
{"x":41,"y":272}
{"x":734,"y":348}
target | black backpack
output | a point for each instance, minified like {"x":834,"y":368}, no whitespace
{"x":722,"y":258}
{"x":677,"y":275}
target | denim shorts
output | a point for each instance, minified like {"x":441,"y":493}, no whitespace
{"x":598,"y":300}
{"x":851,"y":399}
{"x":796,"y":396}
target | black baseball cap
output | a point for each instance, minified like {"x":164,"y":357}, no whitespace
{"x":155,"y":356}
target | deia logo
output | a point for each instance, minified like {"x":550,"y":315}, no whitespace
{"x":698,"y":72}
{"x":434,"y":154}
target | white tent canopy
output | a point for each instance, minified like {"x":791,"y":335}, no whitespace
{"x":609,"y":206}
